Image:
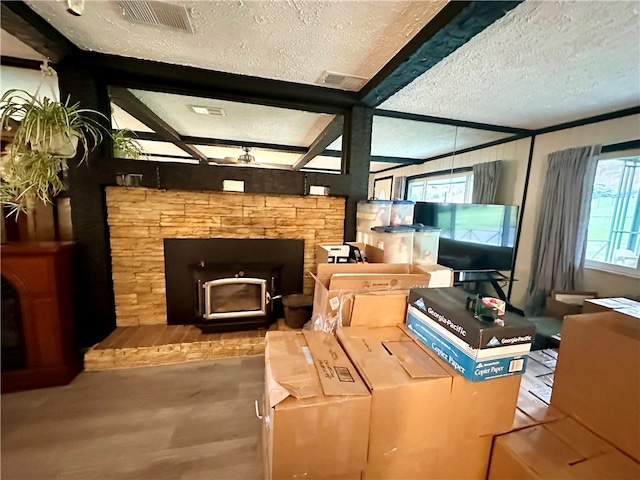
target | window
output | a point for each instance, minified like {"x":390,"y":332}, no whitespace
{"x":449,"y":188}
{"x":613,"y":240}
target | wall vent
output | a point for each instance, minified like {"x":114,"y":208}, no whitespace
{"x":157,"y":13}
{"x":341,"y":80}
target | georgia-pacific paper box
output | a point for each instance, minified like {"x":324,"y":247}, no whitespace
{"x":478,"y":350}
{"x":318,"y":408}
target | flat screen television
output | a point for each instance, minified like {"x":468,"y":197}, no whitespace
{"x":473,"y":237}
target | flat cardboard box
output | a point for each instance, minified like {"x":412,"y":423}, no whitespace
{"x":437,"y":317}
{"x":354,"y":293}
{"x":618,"y":304}
{"x":597,"y":377}
{"x":561,"y":303}
{"x":317,"y":408}
{"x":562,"y":449}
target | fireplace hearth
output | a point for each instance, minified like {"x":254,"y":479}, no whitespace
{"x":225,"y":285}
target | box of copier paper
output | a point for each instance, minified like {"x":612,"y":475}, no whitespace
{"x":479,"y":350}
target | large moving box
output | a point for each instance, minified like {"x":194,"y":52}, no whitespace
{"x":372,"y":294}
{"x":424,"y":415}
{"x":559,"y":449}
{"x":317,"y":408}
{"x":597,"y":378}
{"x":478,"y":350}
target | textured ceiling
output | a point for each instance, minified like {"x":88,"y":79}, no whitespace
{"x":542,"y":64}
{"x":241,"y":121}
{"x":393,"y":137}
{"x":287,"y":40}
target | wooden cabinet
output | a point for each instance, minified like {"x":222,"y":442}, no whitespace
{"x":41,"y":272}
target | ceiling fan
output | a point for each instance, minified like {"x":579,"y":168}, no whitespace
{"x":247,"y":160}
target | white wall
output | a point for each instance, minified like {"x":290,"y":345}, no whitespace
{"x":513,"y":154}
{"x":609,"y":132}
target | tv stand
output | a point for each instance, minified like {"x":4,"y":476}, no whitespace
{"x":472,"y":279}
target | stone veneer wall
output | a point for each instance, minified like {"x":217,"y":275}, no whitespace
{"x":140,"y":218}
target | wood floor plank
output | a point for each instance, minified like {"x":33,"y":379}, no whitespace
{"x":114,"y":338}
{"x":192,"y":420}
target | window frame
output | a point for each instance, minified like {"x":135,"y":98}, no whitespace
{"x":598,"y":265}
{"x":442,"y":174}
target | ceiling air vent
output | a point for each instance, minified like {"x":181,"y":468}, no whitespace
{"x":157,"y":13}
{"x":341,"y":80}
{"x":215,"y":111}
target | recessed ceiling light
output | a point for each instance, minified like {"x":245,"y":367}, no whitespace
{"x":216,"y":111}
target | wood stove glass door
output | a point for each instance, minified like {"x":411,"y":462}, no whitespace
{"x":235,"y":297}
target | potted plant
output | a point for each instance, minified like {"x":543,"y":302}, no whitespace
{"x":47,"y":134}
{"x":125,"y":146}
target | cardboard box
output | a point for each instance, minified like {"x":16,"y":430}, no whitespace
{"x":478,"y":350}
{"x":420,"y":405}
{"x":597,"y":378}
{"x":353,"y":290}
{"x":410,"y":394}
{"x":493,"y":403}
{"x":561,"y":303}
{"x":465,"y":458}
{"x":559,"y":449}
{"x":317,"y":408}
{"x":332,"y":253}
{"x":621,"y":304}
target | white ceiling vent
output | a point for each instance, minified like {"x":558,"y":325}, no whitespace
{"x":341,"y":80}
{"x":157,"y":13}
{"x":215,"y":111}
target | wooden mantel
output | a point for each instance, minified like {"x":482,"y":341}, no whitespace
{"x":41,"y":272}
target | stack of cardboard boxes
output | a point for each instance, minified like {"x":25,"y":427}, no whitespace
{"x":591,"y":429}
{"x":442,"y":395}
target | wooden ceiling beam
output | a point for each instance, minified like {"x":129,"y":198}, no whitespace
{"x":196,"y":82}
{"x":329,"y":135}
{"x":31,"y":29}
{"x":130,"y":104}
{"x":452,"y":27}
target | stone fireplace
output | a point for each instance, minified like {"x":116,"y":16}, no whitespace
{"x":140,"y":219}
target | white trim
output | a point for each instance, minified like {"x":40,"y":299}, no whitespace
{"x":613,"y":268}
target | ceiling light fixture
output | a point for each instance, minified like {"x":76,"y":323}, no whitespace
{"x":202,"y":110}
{"x":245,"y":158}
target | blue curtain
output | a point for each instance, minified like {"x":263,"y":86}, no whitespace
{"x":561,"y":237}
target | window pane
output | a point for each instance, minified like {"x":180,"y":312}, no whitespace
{"x":614,"y":221}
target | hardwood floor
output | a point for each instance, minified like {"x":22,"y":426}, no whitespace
{"x":192,"y":420}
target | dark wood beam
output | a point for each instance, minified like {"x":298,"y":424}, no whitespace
{"x":451,"y":28}
{"x":225,"y":142}
{"x":449,"y":121}
{"x":129,"y":103}
{"x":329,"y":135}
{"x":30,"y":28}
{"x":20,"y":62}
{"x":197,"y":82}
{"x":378,"y":158}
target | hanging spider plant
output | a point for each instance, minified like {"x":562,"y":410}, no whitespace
{"x":125,"y":146}
{"x":48,"y":133}
{"x":50,"y":126}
